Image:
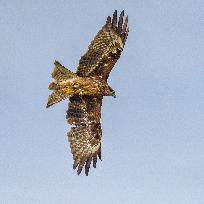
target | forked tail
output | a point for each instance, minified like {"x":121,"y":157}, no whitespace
{"x":60,"y":74}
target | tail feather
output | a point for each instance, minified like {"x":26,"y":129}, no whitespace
{"x":56,"y":97}
{"x":61,"y":73}
{"x":60,"y":94}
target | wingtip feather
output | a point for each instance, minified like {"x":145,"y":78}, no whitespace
{"x":87,"y":166}
{"x":114,"y":21}
{"x":108,"y":20}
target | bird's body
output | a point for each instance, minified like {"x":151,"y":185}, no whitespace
{"x":86,"y":88}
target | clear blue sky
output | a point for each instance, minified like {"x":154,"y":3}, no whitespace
{"x":153,"y":132}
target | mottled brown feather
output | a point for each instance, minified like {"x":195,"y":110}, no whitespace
{"x":85,"y":143}
{"x":99,"y":51}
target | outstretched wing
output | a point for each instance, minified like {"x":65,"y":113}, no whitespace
{"x":85,"y":139}
{"x":105,"y":49}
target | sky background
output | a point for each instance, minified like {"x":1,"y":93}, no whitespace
{"x":153,"y":132}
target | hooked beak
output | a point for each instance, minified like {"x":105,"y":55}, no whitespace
{"x":114,"y":95}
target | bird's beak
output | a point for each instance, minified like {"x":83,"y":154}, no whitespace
{"x":114,"y":95}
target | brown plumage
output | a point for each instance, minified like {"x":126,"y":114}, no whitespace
{"x":86,"y":88}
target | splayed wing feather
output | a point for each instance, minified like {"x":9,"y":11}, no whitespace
{"x":114,"y":22}
{"x":99,"y":51}
{"x":120,"y":22}
{"x":85,"y":143}
{"x":108,"y":20}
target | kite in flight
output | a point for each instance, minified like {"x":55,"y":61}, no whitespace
{"x":86,"y":88}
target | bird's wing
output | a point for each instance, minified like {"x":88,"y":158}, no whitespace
{"x":105,"y":49}
{"x":85,"y":138}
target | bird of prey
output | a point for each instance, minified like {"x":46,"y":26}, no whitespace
{"x":86,"y":88}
